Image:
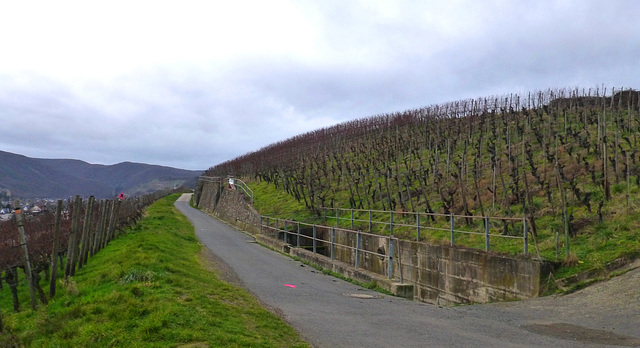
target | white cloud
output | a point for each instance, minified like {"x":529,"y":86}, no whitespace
{"x":195,"y":83}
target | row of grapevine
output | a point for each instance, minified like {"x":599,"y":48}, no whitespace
{"x":40,"y":244}
{"x":527,"y":155}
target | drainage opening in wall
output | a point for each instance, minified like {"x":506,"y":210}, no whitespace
{"x":380,"y":253}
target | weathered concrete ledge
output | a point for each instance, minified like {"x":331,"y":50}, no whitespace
{"x":273,"y":243}
{"x":357,"y":274}
{"x":360,"y":275}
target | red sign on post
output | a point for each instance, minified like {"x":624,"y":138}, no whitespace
{"x":121,"y":196}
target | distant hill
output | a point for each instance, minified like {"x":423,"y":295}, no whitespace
{"x":25,"y":177}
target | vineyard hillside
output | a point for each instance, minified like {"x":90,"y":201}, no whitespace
{"x":566,"y":160}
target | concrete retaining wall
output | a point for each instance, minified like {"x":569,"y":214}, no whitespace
{"x":439,"y":274}
{"x":450,"y":275}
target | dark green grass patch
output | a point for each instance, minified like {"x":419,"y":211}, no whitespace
{"x":148,"y":288}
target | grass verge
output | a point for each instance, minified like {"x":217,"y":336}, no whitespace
{"x":148,"y":288}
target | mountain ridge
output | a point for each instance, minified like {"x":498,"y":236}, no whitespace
{"x":27,"y":177}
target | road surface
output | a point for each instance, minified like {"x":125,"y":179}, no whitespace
{"x":328,"y":312}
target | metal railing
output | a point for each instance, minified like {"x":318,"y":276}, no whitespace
{"x":239,"y":183}
{"x":419,"y":222}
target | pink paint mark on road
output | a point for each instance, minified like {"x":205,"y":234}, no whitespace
{"x":291,"y":286}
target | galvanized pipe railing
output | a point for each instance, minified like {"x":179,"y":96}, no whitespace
{"x":420,"y":226}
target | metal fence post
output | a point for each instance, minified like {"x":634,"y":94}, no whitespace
{"x":358,"y":249}
{"x":418,"y":226}
{"x":260,"y":224}
{"x":370,"y":221}
{"x":526,"y":235}
{"x":486,"y":233}
{"x":390,"y":256}
{"x":298,"y":237}
{"x":351,"y":218}
{"x":333,"y":242}
{"x":314,"y":239}
{"x":337,"y":217}
{"x":285,"y":235}
{"x":391,"y":223}
{"x":390,"y":268}
{"x":275,"y":231}
{"x":452,"y":229}
{"x":557,"y":243}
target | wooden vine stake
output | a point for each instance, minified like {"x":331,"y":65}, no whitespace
{"x":86,"y":231}
{"x":25,"y":253}
{"x":56,"y":247}
{"x":97,"y":244}
{"x":73,"y":236}
{"x":115,"y":207}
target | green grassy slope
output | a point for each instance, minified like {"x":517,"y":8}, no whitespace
{"x":148,"y":288}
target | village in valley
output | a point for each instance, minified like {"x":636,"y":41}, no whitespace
{"x":30,"y":206}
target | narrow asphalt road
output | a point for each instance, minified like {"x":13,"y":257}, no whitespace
{"x":329,"y":312}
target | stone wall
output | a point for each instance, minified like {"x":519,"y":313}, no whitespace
{"x":207,"y":195}
{"x":234,"y":207}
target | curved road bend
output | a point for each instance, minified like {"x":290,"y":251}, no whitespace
{"x":329,"y":312}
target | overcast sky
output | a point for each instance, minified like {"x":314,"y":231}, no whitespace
{"x":190,"y":84}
